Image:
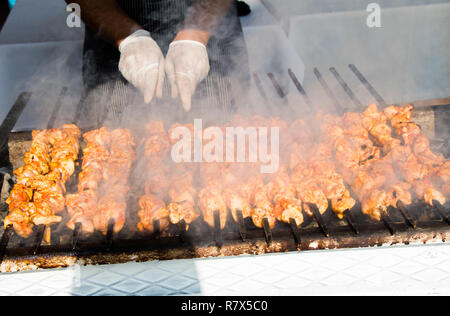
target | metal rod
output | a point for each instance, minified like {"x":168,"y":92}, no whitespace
{"x":277,"y":87}
{"x":319,"y":219}
{"x":157,"y":228}
{"x":295,"y":231}
{"x":299,"y":87}
{"x":9,"y":230}
{"x":110,"y":234}
{"x":263,"y":94}
{"x":217,"y":229}
{"x":56,"y":108}
{"x":182,"y":230}
{"x":350,"y":222}
{"x":438,"y":206}
{"x":323,"y":83}
{"x":346,"y":88}
{"x":11,"y":119}
{"x":76,"y":235}
{"x":406,"y":215}
{"x":368,"y":86}
{"x":388,"y":223}
{"x":39,"y":237}
{"x":242,"y":229}
{"x":267,"y":230}
{"x":259,"y":86}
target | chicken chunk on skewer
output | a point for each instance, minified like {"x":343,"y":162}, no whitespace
{"x":210,"y":200}
{"x":152,"y":209}
{"x":182,"y":196}
{"x":111,"y":206}
{"x":82,"y":207}
{"x":283,"y":194}
{"x":308,"y":191}
{"x":20,"y":218}
{"x":263,"y":207}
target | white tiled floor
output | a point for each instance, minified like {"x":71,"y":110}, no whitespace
{"x":396,"y":270}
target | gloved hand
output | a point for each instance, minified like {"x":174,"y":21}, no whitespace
{"x":187,"y":64}
{"x":142,"y":64}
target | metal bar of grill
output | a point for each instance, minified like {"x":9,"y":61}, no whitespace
{"x":351,"y":223}
{"x":110,"y":234}
{"x":9,"y":231}
{"x":440,"y":208}
{"x":76,"y":235}
{"x":259,"y":86}
{"x":295,"y":231}
{"x":368,"y":86}
{"x":267,"y":231}
{"x":302,"y":91}
{"x":346,"y":88}
{"x":241,"y":223}
{"x":277,"y":87}
{"x":388,"y":222}
{"x":406,"y":215}
{"x":217,"y":229}
{"x":182,"y":231}
{"x":337,"y":106}
{"x":320,"y":221}
{"x":39,"y":238}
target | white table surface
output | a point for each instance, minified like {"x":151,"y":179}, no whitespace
{"x":406,"y":270}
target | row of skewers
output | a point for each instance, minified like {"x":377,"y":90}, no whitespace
{"x":103,"y":183}
{"x":380,"y":158}
{"x":38,"y":195}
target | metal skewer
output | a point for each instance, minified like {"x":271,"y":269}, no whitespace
{"x":267,"y":230}
{"x":368,"y":86}
{"x":39,"y":237}
{"x":388,"y":223}
{"x":259,"y":86}
{"x":406,"y":215}
{"x":182,"y":230}
{"x":157,"y":228}
{"x":350,"y":222}
{"x":263,"y":94}
{"x":319,"y":219}
{"x":9,"y":230}
{"x":11,"y":118}
{"x":76,"y":235}
{"x":338,"y":107}
{"x":110,"y":234}
{"x":438,"y":206}
{"x":299,"y":87}
{"x":277,"y":87}
{"x":217,"y":229}
{"x":346,"y":88}
{"x":295,"y":231}
{"x":242,"y":229}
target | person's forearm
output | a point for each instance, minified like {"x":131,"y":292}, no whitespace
{"x":203,"y":19}
{"x":107,"y":19}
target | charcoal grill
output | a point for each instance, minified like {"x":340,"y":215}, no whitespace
{"x":416,"y":223}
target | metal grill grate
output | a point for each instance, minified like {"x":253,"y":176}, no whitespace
{"x":415,"y":223}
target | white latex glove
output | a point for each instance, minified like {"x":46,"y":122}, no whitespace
{"x":142,"y":64}
{"x":187,"y":64}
